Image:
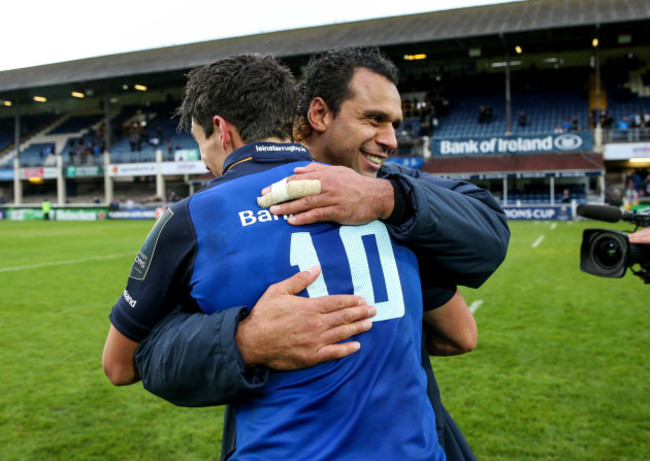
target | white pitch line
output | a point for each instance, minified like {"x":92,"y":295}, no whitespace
{"x":539,"y":240}
{"x":553,"y":226}
{"x":475,"y":305}
{"x":58,"y":263}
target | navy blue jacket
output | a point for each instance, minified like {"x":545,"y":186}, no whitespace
{"x":457,"y":230}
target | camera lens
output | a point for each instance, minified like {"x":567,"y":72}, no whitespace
{"x":607,"y":252}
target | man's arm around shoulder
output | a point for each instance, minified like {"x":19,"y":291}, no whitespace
{"x":200,"y":360}
{"x":191,"y":359}
{"x":456,"y":224}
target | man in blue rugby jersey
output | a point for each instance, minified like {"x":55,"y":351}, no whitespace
{"x":219,"y":249}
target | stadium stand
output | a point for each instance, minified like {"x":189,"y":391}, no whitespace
{"x":7,"y":135}
{"x":558,"y":78}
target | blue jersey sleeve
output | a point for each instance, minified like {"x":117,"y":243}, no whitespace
{"x":163,"y":265}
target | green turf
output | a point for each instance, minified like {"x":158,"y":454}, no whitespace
{"x":560,"y":370}
{"x":55,"y":402}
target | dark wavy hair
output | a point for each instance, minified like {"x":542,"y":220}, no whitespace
{"x":254,"y":92}
{"x":328,"y":75}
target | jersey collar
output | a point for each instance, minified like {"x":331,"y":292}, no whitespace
{"x":267,"y":152}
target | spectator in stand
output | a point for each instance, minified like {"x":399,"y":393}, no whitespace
{"x":481,"y":114}
{"x":566,"y":125}
{"x":631,"y":193}
{"x":636,"y":178}
{"x":134,"y":138}
{"x":426,"y":123}
{"x":79,"y":150}
{"x":574,"y":123}
{"x":50,"y":159}
{"x":407,"y":131}
{"x":521,"y":121}
{"x":566,"y":196}
{"x":558,"y":129}
{"x":606,"y":120}
{"x":645,"y":117}
{"x":643,"y":185}
{"x":624,"y":124}
{"x":71,"y":150}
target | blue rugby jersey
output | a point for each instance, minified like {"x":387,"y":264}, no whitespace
{"x":221,"y":250}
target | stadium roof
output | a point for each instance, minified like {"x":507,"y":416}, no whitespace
{"x":440,"y":33}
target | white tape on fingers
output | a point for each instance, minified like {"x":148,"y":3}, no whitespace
{"x":279,"y":191}
{"x":283,"y":191}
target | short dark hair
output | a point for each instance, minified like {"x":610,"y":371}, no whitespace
{"x":254,"y":92}
{"x":328,"y":75}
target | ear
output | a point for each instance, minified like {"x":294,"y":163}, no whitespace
{"x":319,"y":115}
{"x":228,"y":134}
{"x":221,"y":127}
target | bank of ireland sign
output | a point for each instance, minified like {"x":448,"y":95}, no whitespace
{"x":524,"y":144}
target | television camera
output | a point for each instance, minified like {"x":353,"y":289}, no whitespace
{"x":608,"y":253}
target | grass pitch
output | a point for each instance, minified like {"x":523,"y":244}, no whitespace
{"x":560,"y":371}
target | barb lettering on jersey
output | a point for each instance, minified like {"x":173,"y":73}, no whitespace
{"x":248,"y":217}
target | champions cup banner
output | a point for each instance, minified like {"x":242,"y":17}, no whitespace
{"x":514,"y":144}
{"x":538,"y":213}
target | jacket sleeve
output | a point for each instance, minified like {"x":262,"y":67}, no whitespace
{"x":456,"y":226}
{"x":191,"y":359}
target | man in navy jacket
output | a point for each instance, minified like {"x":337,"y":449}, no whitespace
{"x":457,"y":230}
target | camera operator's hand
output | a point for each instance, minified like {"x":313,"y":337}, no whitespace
{"x":641,"y":236}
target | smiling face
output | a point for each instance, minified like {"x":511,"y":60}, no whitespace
{"x":362,"y":135}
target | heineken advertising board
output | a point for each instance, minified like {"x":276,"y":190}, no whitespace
{"x":57,"y":214}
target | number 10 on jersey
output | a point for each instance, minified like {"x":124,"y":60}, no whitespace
{"x":354,"y":239}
